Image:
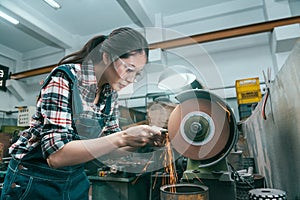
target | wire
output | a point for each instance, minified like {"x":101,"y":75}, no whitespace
{"x":264,"y":105}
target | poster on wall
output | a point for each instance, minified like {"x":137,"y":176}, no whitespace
{"x":3,"y":77}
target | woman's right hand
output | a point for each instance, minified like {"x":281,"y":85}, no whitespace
{"x":139,"y":136}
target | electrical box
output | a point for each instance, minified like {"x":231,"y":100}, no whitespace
{"x":24,"y":115}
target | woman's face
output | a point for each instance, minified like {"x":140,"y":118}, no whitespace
{"x":124,"y":71}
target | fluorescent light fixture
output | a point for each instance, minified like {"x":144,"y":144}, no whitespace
{"x":53,"y":4}
{"x":9,"y":18}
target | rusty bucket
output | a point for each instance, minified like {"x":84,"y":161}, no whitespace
{"x":184,"y":192}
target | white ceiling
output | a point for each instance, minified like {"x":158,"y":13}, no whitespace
{"x":42,"y":27}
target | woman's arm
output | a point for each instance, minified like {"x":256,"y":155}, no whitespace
{"x":80,"y":151}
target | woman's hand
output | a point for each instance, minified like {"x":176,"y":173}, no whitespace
{"x":139,"y":136}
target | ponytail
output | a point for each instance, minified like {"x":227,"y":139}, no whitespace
{"x":121,"y":43}
{"x":79,"y":56}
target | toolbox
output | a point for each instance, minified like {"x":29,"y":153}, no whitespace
{"x":248,"y":90}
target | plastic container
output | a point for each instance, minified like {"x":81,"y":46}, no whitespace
{"x":248,"y":90}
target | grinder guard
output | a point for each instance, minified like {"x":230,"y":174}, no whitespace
{"x":202,"y":127}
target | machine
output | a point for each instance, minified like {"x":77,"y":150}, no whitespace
{"x":202,"y":128}
{"x":202,"y":131}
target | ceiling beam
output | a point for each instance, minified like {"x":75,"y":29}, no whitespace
{"x":199,"y":38}
{"x":226,"y":33}
{"x":214,"y":11}
{"x":136,"y":12}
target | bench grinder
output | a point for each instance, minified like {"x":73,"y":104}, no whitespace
{"x":202,"y":128}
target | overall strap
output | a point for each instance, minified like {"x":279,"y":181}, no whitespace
{"x":62,"y":68}
{"x":106,"y":110}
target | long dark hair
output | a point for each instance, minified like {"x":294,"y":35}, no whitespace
{"x":121,"y":43}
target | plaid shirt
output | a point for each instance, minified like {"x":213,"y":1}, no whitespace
{"x":51,"y":126}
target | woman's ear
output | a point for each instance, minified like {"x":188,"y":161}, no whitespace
{"x":105,"y":58}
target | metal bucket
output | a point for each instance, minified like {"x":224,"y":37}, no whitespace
{"x":259,"y":181}
{"x":243,"y":185}
{"x":183,"y":192}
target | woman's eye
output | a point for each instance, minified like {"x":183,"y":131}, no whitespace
{"x":130,"y":70}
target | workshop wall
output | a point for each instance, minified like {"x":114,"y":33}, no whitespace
{"x":274,"y":141}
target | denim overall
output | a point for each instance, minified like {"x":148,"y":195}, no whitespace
{"x":32,"y":179}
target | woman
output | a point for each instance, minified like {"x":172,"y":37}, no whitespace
{"x":47,"y":159}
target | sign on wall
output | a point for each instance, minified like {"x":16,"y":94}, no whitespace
{"x":3,"y":77}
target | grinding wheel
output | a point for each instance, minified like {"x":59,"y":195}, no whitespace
{"x":202,"y":127}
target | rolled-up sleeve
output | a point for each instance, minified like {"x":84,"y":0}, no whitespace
{"x":56,"y":111}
